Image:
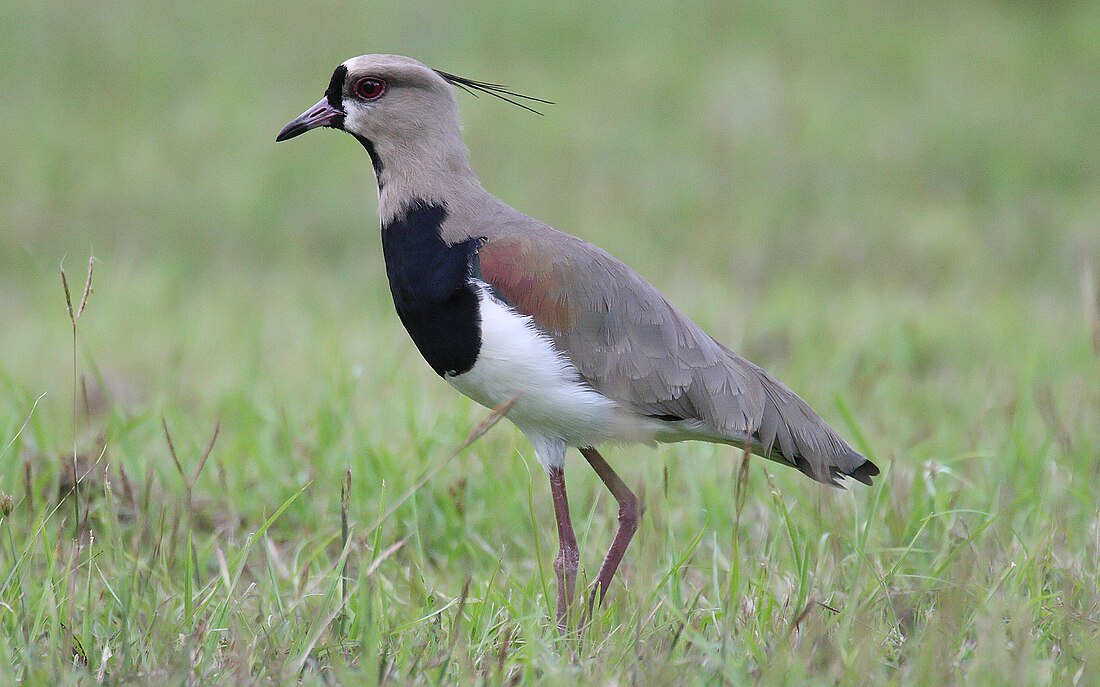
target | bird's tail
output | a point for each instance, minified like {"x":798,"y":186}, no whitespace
{"x":790,"y":432}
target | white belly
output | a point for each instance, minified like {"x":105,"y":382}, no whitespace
{"x":552,"y":401}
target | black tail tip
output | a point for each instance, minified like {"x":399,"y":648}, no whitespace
{"x":864,"y":472}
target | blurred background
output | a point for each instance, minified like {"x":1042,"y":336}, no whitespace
{"x":894,"y":207}
{"x":896,"y":204}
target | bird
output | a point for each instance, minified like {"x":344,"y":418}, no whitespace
{"x":508,"y":309}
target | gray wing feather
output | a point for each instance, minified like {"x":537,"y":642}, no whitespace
{"x":630,"y":344}
{"x":633,"y":345}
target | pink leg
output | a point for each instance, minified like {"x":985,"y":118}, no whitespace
{"x":565,"y":565}
{"x":628,"y":524}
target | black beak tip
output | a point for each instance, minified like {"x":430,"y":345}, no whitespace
{"x":290,"y":131}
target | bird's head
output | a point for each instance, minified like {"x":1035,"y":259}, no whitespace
{"x":405,"y":114}
{"x":384,"y":101}
{"x":399,"y":109}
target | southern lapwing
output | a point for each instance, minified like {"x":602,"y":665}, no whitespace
{"x":503,"y":307}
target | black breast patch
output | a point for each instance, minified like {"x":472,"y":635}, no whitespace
{"x":430,"y":284}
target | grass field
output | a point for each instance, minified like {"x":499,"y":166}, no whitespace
{"x":894,"y":207}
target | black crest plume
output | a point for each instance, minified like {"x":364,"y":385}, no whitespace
{"x":494,"y":89}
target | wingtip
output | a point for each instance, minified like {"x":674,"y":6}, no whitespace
{"x":865,"y":472}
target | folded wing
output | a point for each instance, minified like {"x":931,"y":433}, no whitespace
{"x":630,"y":344}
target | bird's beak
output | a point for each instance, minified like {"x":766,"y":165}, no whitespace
{"x":321,"y":114}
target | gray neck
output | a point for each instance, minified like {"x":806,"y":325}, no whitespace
{"x":423,"y":168}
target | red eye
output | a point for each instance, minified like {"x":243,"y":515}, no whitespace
{"x":370,"y":88}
